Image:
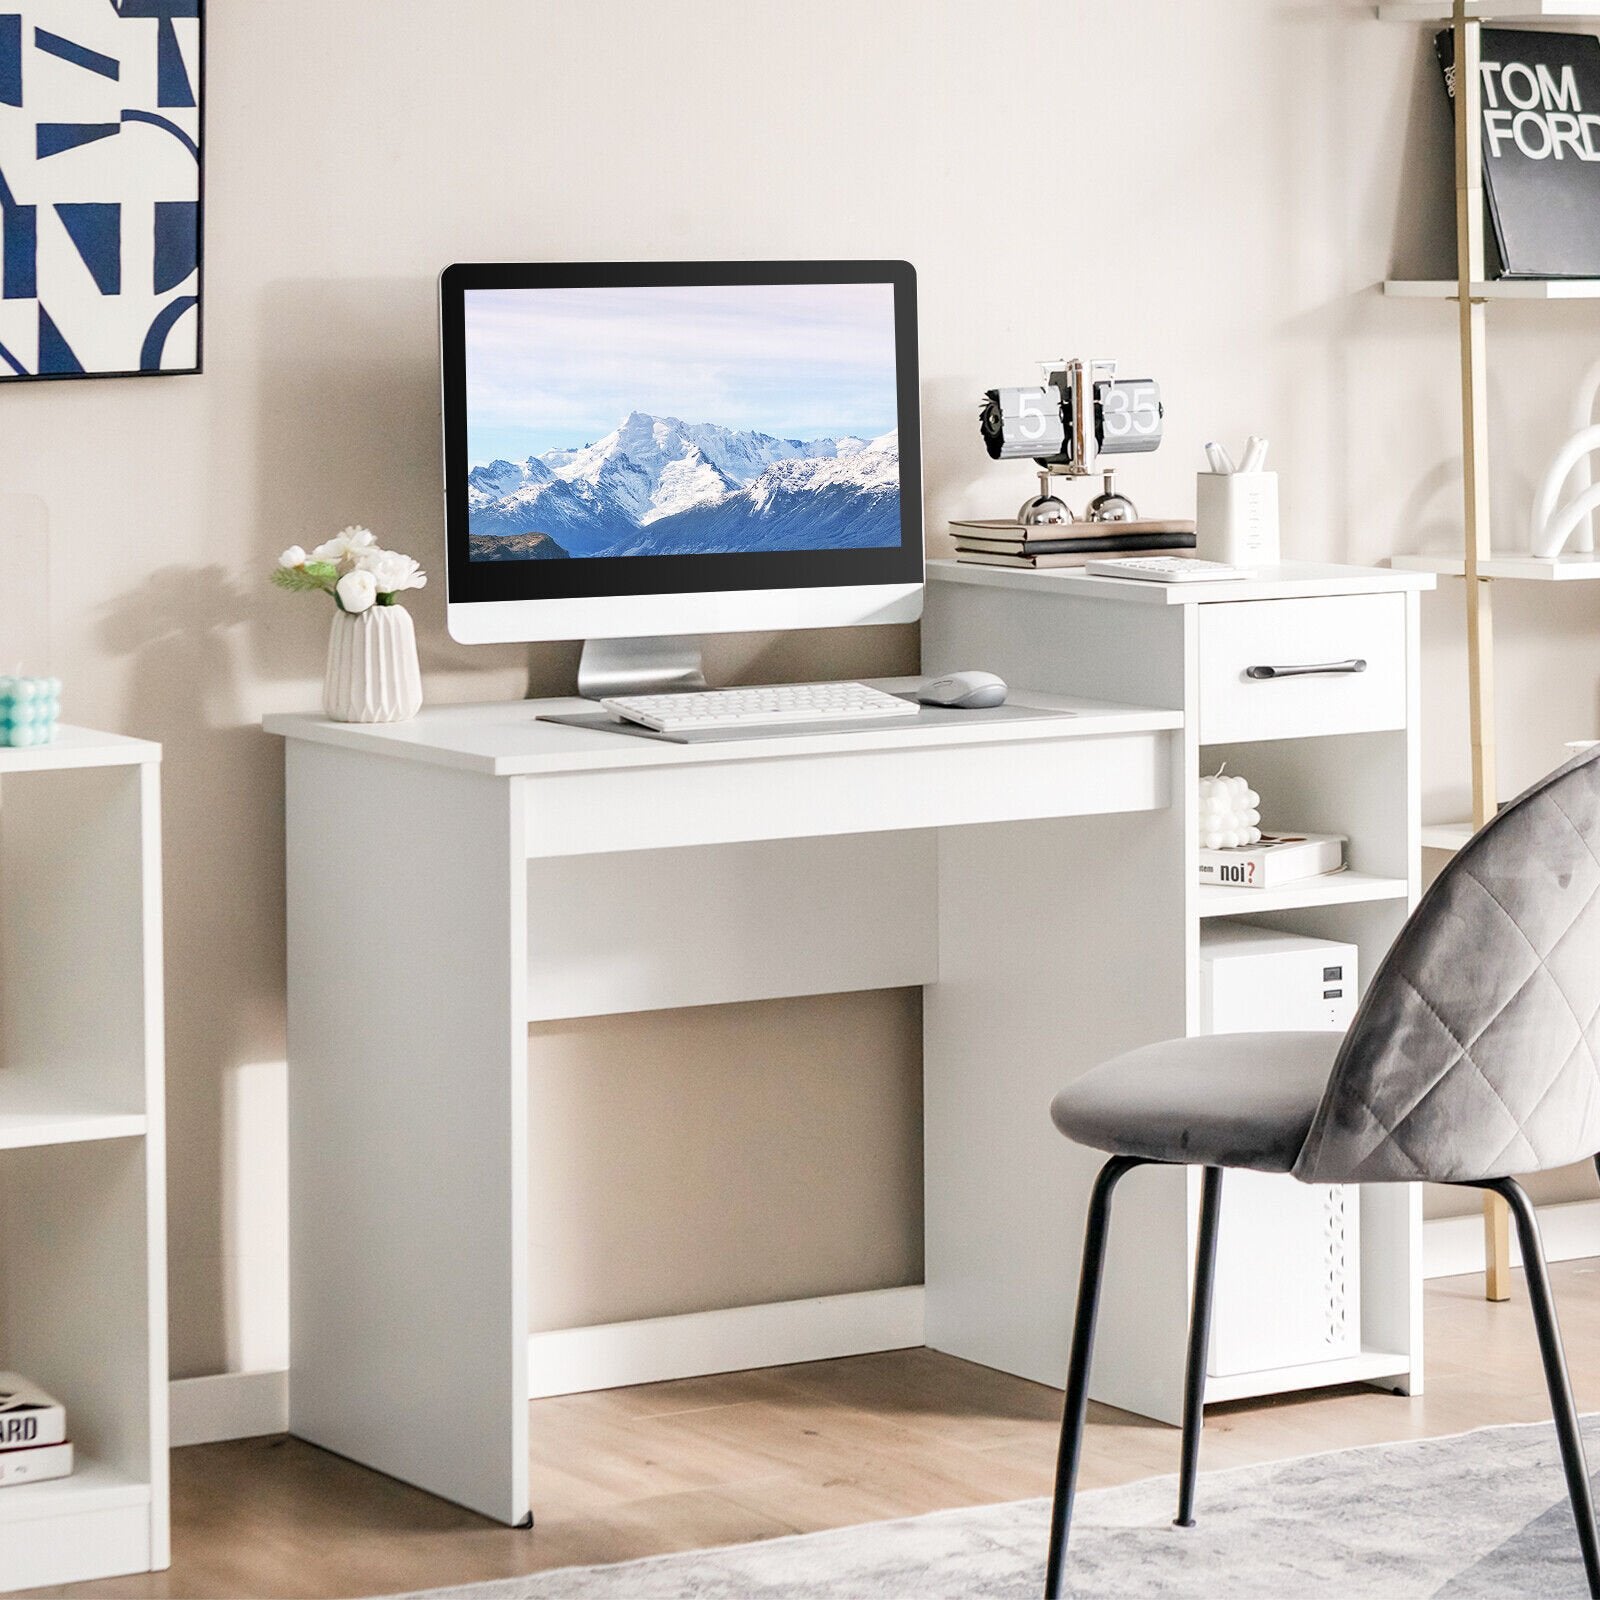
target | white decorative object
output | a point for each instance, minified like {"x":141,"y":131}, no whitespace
{"x":1236,"y":518}
{"x":1229,"y":816}
{"x":1552,"y":529}
{"x":372,"y":674}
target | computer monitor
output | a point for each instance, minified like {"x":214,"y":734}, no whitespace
{"x":635,"y":452}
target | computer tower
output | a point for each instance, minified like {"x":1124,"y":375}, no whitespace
{"x":1288,"y":1281}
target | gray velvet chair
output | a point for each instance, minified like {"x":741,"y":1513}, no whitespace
{"x":1475,"y":1055}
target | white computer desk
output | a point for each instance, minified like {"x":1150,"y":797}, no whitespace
{"x":455,"y":878}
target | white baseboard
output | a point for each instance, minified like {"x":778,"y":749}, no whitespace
{"x":574,"y":1360}
{"x":231,"y":1405}
{"x":1454,"y":1245}
{"x":243,"y":1405}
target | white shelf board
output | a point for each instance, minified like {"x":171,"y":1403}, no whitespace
{"x":1567,"y":568}
{"x":1330,"y":889}
{"x":21,"y":1130}
{"x":1493,"y":10}
{"x":92,"y":1487}
{"x":1445,"y":835}
{"x":1496,"y":288}
{"x":1370,"y":1365}
{"x":78,"y":747}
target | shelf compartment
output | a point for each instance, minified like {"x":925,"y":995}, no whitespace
{"x":1574,"y":566}
{"x":23,"y":1130}
{"x":1331,"y":889}
{"x":1493,"y":11}
{"x":1371,"y":1366}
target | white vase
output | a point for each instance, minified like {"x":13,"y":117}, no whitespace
{"x":372,"y":674}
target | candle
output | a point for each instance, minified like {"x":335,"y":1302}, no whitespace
{"x":28,"y":710}
{"x":1228,"y":814}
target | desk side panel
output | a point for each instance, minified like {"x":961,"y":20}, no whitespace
{"x":1061,"y":943}
{"x":408,"y":1122}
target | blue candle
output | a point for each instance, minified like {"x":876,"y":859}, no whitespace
{"x":28,"y":710}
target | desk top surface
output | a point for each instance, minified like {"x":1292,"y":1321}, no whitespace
{"x":1290,"y":580}
{"x":506,"y":739}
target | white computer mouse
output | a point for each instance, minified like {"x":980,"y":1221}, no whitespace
{"x":966,"y":691}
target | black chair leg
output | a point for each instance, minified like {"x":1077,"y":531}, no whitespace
{"x":1076,"y":1403}
{"x":1556,"y":1379}
{"x":1194,"y":1374}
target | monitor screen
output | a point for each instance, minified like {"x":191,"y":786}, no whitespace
{"x":680,"y":420}
{"x":623,"y":430}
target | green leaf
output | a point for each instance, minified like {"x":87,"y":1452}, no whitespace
{"x":297,"y":580}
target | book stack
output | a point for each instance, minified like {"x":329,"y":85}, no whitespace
{"x":33,"y":1433}
{"x":1003,"y":542}
{"x":1277,"y":859}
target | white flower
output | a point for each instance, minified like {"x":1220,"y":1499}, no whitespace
{"x":357,"y":590}
{"x":294,"y":556}
{"x":394,"y":572}
{"x":344,"y":544}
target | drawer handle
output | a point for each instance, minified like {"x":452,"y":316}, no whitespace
{"x":1315,"y":669}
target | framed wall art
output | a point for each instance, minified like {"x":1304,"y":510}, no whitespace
{"x":100,"y":187}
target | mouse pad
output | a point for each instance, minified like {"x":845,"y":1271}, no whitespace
{"x":600,"y":722}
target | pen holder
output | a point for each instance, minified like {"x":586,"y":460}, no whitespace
{"x":1236,"y":518}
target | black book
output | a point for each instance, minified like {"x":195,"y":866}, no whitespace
{"x":1541,"y":149}
{"x":1087,"y":544}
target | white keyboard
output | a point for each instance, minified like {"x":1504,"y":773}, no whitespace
{"x":754,"y":708}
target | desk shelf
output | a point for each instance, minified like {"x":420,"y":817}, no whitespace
{"x":1371,"y":1366}
{"x":1332,"y":889}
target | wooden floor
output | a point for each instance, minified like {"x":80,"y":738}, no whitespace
{"x":677,"y":1466}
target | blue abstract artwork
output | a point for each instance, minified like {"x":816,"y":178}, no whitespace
{"x":100,"y":187}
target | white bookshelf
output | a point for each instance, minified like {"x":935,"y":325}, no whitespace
{"x":83,"y":1305}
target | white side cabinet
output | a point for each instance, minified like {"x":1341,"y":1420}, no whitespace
{"x":1334,"y":752}
{"x":83,"y":1292}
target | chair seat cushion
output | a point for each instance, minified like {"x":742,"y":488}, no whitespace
{"x":1225,"y":1100}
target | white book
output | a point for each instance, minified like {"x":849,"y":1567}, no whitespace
{"x":28,"y":1416}
{"x":34,"y":1466}
{"x":1278,"y":858}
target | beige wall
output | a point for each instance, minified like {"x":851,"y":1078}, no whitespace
{"x":1207,"y":191}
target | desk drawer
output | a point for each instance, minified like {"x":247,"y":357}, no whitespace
{"x":1253,"y":656}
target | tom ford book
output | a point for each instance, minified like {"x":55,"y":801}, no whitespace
{"x":1541,"y":149}
{"x":28,"y":1416}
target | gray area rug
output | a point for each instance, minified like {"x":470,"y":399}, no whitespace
{"x":1478,"y":1516}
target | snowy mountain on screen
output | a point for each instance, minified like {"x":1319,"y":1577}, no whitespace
{"x":659,"y":486}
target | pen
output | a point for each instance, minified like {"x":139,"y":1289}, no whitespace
{"x":1255,"y":454}
{"x":1221,"y":461}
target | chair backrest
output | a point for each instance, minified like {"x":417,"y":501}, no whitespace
{"x":1476,"y":1053}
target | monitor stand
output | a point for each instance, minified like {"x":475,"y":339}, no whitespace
{"x":639,"y":666}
